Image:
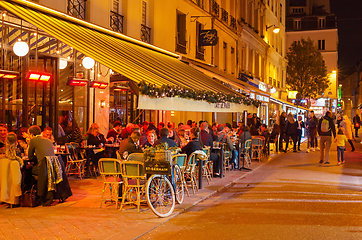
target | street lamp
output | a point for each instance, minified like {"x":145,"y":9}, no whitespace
{"x":275,"y":30}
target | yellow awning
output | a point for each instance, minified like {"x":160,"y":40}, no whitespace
{"x":134,"y":59}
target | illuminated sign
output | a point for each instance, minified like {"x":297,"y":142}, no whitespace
{"x":292,"y":94}
{"x":252,"y":95}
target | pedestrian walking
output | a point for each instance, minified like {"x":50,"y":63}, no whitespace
{"x":325,"y":129}
{"x":341,"y":141}
{"x":312,"y":131}
{"x":300,"y":126}
{"x":347,"y":125}
{"x":282,"y":126}
{"x":291,"y":132}
{"x":356,"y":124}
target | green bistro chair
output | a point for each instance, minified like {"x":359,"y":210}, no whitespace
{"x":181,"y":161}
{"x":110,"y":170}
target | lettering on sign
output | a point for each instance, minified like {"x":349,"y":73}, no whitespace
{"x":222,"y":105}
{"x":266,"y":99}
{"x":259,"y":97}
{"x":208,"y":37}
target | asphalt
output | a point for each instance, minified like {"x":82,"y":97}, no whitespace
{"x":81,"y":217}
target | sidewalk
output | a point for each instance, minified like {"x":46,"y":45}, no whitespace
{"x":81,"y":217}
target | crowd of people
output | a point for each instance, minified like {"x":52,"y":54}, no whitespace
{"x":339,"y":127}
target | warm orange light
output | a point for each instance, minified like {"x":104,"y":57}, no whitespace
{"x":95,"y":84}
{"x":103,"y":86}
{"x":9,"y":76}
{"x":34,"y":76}
{"x":44,"y":78}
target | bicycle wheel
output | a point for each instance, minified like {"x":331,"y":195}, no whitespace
{"x":179,"y":187}
{"x":160,"y":195}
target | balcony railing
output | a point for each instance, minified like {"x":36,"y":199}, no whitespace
{"x":224,"y":16}
{"x":76,"y":8}
{"x":200,"y":3}
{"x":116,"y":22}
{"x":145,"y":34}
{"x":232,"y":22}
{"x":215,"y":9}
{"x":181,"y":45}
{"x":200,"y":53}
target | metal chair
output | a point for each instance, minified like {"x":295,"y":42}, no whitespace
{"x":74,"y":166}
{"x":136,"y":157}
{"x":134,"y":180}
{"x":207,"y":167}
{"x":190,"y":171}
{"x":181,"y":161}
{"x":256,"y":148}
{"x":227,"y":156}
{"x":247,"y":149}
{"x":110,"y":170}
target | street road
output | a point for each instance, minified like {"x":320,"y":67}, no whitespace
{"x":291,"y":197}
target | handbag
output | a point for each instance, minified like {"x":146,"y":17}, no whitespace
{"x":29,"y":198}
{"x":356,"y":125}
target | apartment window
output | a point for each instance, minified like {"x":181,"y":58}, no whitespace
{"x":181,"y":33}
{"x":144,"y":11}
{"x":297,"y":24}
{"x":225,"y":46}
{"x":76,"y":8}
{"x":200,"y":3}
{"x":281,"y":13}
{"x":321,"y":22}
{"x":115,"y":6}
{"x":298,"y":10}
{"x":322,"y":44}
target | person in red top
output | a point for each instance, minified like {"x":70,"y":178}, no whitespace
{"x":115,"y":131}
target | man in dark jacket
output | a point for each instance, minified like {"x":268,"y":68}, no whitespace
{"x":300,"y":126}
{"x":312,"y":130}
{"x":164,"y":138}
{"x":282,"y":127}
{"x":131,"y":145}
{"x":326,"y":129}
{"x":206,"y":139}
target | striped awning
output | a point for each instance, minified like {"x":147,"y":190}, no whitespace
{"x":136,"y":60}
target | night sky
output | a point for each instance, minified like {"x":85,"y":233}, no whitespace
{"x":349,"y":23}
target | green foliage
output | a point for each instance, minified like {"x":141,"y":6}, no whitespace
{"x":150,"y":152}
{"x":200,"y":95}
{"x":306,"y":70}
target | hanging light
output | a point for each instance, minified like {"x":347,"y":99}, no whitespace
{"x":21,"y":48}
{"x":88,"y":62}
{"x":63,"y":64}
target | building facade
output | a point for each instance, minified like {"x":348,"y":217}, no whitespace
{"x":313,"y":19}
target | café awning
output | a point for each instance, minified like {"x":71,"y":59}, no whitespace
{"x":134,"y":59}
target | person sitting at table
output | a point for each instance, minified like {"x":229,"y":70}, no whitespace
{"x":126,"y":132}
{"x":160,"y":126}
{"x":40,"y":149}
{"x":182,"y":135}
{"x":223,"y":137}
{"x":48,"y":133}
{"x":3,"y":134}
{"x":194,"y":143}
{"x":115,"y":131}
{"x":23,"y":141}
{"x":73,"y":133}
{"x":131,"y":144}
{"x":173,"y":133}
{"x":95,"y":138}
{"x":10,"y":177}
{"x":264,"y":132}
{"x":206,"y":139}
{"x":151,"y":137}
{"x":164,"y":138}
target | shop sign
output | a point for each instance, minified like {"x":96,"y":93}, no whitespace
{"x":292,"y":94}
{"x":222,"y":105}
{"x":259,"y":97}
{"x":252,"y":95}
{"x":262,"y":86}
{"x":208,"y":37}
{"x":265,"y":99}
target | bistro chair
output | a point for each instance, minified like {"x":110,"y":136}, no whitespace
{"x":110,"y":170}
{"x":74,"y":166}
{"x":207,"y":167}
{"x":256,"y":148}
{"x":181,"y":161}
{"x":190,"y":171}
{"x":136,"y":157}
{"x":227,"y":156}
{"x":134,"y":180}
{"x":247,"y":152}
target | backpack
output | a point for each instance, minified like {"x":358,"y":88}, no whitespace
{"x":325,"y":125}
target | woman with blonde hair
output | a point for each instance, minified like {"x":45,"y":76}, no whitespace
{"x":347,"y":125}
{"x":291,"y":132}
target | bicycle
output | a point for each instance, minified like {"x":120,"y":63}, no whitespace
{"x":164,"y":187}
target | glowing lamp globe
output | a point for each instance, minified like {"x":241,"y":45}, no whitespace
{"x":88,"y":62}
{"x":273,"y":90}
{"x":62,"y":64}
{"x":21,"y":48}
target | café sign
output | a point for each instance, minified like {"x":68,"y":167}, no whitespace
{"x":208,"y":37}
{"x":222,"y":105}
